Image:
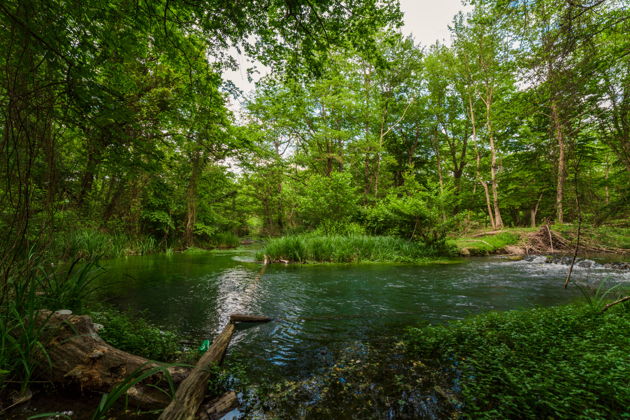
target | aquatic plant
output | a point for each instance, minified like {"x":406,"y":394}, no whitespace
{"x":561,"y":362}
{"x":225,"y":240}
{"x":94,"y":244}
{"x":347,"y":249}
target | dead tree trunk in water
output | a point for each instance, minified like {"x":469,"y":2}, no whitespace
{"x":192,"y":390}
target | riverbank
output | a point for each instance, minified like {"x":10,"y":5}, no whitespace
{"x":561,"y":362}
{"x":553,"y":239}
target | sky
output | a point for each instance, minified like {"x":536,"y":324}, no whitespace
{"x":426,"y":20}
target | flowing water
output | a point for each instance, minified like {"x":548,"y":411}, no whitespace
{"x":320,"y":310}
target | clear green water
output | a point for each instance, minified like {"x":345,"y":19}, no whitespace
{"x":322,"y":309}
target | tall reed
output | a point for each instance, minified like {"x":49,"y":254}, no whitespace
{"x":348,"y":249}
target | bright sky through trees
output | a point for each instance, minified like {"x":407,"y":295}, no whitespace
{"x":426,"y":20}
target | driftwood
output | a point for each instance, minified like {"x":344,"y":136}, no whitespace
{"x":249,"y":318}
{"x":75,"y":354}
{"x":219,"y":407}
{"x":617,"y":302}
{"x":191,"y":391}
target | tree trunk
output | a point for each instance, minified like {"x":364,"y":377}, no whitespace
{"x":498,"y":222}
{"x":191,"y":197}
{"x":478,"y":170}
{"x":534,"y":211}
{"x":192,"y":389}
{"x":559,"y":134}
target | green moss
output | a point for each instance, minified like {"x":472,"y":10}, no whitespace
{"x":562,"y":362}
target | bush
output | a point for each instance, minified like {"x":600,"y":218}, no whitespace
{"x":225,"y":240}
{"x":562,"y":362}
{"x":415,"y":213}
{"x":328,"y":199}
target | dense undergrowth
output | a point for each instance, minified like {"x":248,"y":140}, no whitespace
{"x":94,"y":243}
{"x":614,"y":235}
{"x":561,"y":362}
{"x":307,"y":248}
{"x":138,"y":336}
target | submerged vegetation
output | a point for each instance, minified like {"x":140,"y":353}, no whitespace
{"x":565,"y":362}
{"x":562,"y":362}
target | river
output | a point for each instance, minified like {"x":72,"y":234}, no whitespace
{"x":320,"y":310}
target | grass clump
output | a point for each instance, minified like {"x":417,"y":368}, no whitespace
{"x":137,"y":336}
{"x":225,"y":240}
{"x":561,"y":362}
{"x":349,"y":249}
{"x":93,"y":244}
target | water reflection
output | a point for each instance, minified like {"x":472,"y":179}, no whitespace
{"x":320,"y":310}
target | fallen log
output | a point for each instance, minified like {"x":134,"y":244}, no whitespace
{"x":191,"y":391}
{"x":75,"y":354}
{"x":249,"y":318}
{"x":219,"y":407}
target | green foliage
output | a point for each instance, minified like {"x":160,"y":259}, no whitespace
{"x":615,"y":236}
{"x":562,"y":362}
{"x":20,"y":342}
{"x":346,"y":249}
{"x":110,"y":399}
{"x":94,"y":244}
{"x":225,"y":240}
{"x":135,"y":335}
{"x":414,"y":212}
{"x":325,"y":200}
{"x":61,"y":289}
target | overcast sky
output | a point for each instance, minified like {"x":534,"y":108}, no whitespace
{"x":426,"y":20}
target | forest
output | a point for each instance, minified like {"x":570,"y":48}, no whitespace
{"x":122,"y":139}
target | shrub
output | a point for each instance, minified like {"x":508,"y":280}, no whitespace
{"x":225,"y":240}
{"x":414,"y":212}
{"x":328,"y":199}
